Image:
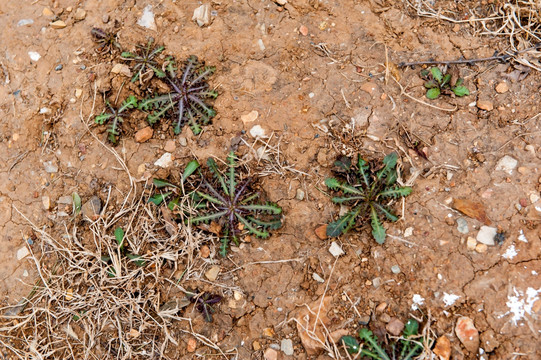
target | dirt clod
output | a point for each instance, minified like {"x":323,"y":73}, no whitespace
{"x":321,"y":232}
{"x":486,"y":105}
{"x":395,"y":327}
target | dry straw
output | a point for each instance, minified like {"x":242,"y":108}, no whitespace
{"x":518,"y":21}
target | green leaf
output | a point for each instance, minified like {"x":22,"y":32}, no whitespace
{"x":424,"y":73}
{"x":214,"y":170}
{"x":343,"y":163}
{"x":273,"y":225}
{"x":343,"y":224}
{"x":119,"y":237}
{"x":127,"y":54}
{"x":137,"y":259}
{"x":231,"y":179}
{"x":352,"y":345}
{"x":159,"y":198}
{"x":206,"y":218}
{"x":270,"y":208}
{"x":388,"y":214}
{"x":431,"y":84}
{"x":378,"y":231}
{"x":396,"y":192}
{"x":102,"y":118}
{"x":334,"y":184}
{"x":389,"y":169}
{"x":459,"y":82}
{"x":411,"y":328}
{"x":433,"y":93}
{"x":436,"y":73}
{"x":369,"y":337}
{"x":252,"y":229}
{"x":364,"y":170}
{"x":160,"y":183}
{"x":446,"y":80}
{"x":76,"y":203}
{"x":461,"y":91}
{"x":190,"y":169}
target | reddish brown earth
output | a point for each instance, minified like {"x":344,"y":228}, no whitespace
{"x":306,"y":89}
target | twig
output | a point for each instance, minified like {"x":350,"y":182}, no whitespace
{"x":502,"y":58}
{"x":403,"y":92}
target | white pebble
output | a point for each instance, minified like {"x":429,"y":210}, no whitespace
{"x":22,"y":253}
{"x":165,"y":160}
{"x":34,"y":56}
{"x":507,"y":164}
{"x":336,"y":250}
{"x":486,"y":235}
{"x":147,"y":19}
{"x":317,"y":278}
{"x":257,"y":131}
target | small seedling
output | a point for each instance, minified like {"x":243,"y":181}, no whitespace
{"x":144,"y":60}
{"x":226,"y":200}
{"x":114,"y":118}
{"x":438,"y":83}
{"x":120,"y":241}
{"x":406,"y":349}
{"x":186,"y":100}
{"x":204,"y":302}
{"x":107,"y":41}
{"x":368,"y":194}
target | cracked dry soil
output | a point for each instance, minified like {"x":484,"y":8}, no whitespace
{"x":306,"y":90}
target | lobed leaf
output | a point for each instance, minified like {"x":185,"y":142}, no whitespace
{"x":378,"y":231}
{"x":433,"y":93}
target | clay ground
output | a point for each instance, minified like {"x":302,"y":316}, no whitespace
{"x":306,"y":89}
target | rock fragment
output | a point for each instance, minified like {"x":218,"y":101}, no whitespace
{"x":321,"y":232}
{"x":165,"y":161}
{"x":250,"y":117}
{"x":212,"y":273}
{"x":80,"y":14}
{"x":92,"y":208}
{"x":286,"y":345}
{"x":201,"y":15}
{"x":395,"y":327}
{"x":270,"y":354}
{"x":443,"y":348}
{"x":486,"y":235}
{"x":59,"y":24}
{"x":336,"y":250}
{"x":147,"y":19}
{"x":144,"y":134}
{"x":467,"y":334}
{"x":22,"y":253}
{"x":486,"y":105}
{"x":507,"y":164}
{"x":502,"y":87}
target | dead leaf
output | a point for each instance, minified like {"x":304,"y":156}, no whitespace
{"x":215,"y":228}
{"x":393,"y":70}
{"x":472,"y":209}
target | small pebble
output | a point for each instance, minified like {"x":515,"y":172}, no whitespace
{"x":507,"y":164}
{"x":78,"y":93}
{"x":321,"y":232}
{"x":395,"y":269}
{"x":201,"y":15}
{"x":105,"y":19}
{"x":192,"y":345}
{"x":170,"y":146}
{"x":502,"y":87}
{"x":92,"y":208}
{"x":300,"y":194}
{"x":59,"y":24}
{"x":471,"y":243}
{"x":256,"y":346}
{"x":485,"y":105}
{"x":317,"y":278}
{"x":212,"y":273}
{"x":22,"y":253}
{"x":250,"y":117}
{"x":182,"y":141}
{"x":467,"y":334}
{"x":50,"y":167}
{"x":34,"y":56}
{"x":486,"y":235}
{"x":376,"y":282}
{"x":303,"y":30}
{"x":270,"y":354}
{"x":80,"y":14}
{"x":530,"y":148}
{"x":462,"y":225}
{"x":58,"y":67}
{"x":24,"y":22}
{"x":395,"y":327}
{"x":286,"y":345}
{"x":165,"y":161}
{"x":147,"y":19}
{"x":335,"y":249}
{"x":144,"y":134}
{"x":47,"y":12}
{"x":481,"y":248}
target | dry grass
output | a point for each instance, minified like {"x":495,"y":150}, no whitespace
{"x":93,"y":302}
{"x":518,"y":21}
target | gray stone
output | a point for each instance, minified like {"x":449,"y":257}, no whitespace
{"x":50,"y":167}
{"x":395,"y":269}
{"x":507,"y":164}
{"x":376,"y":282}
{"x":92,"y":208}
{"x":65,"y":200}
{"x":462,"y":226}
{"x":486,"y":235}
{"x":287,"y":346}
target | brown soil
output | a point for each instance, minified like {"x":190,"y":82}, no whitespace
{"x":306,"y":90}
